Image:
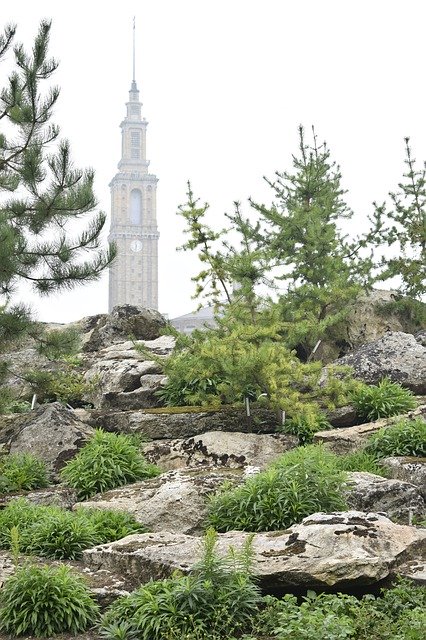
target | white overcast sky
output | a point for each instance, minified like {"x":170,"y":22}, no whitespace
{"x":224,"y":84}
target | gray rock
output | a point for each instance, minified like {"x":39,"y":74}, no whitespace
{"x":185,"y":422}
{"x":350,"y":439}
{"x":397,"y":499}
{"x":342,"y":416}
{"x":335,"y":550}
{"x":396,"y":355}
{"x":52,"y":433}
{"x":144,"y":397}
{"x":58,"y":496}
{"x":219,"y":449}
{"x":409,"y":469}
{"x":175,"y":501}
{"x":122,"y":322}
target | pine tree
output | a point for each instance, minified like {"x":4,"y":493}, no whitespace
{"x":42,"y":192}
{"x":403,"y":227}
{"x":321,"y":267}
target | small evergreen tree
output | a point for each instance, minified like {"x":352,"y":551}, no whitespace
{"x":42,"y":190}
{"x":403,"y":227}
{"x":322,"y":268}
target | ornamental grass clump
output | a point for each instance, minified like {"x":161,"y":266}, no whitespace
{"x":382,"y":401}
{"x":107,"y":461}
{"x":301,"y":482}
{"x":404,"y":438}
{"x":22,"y":471}
{"x":217,"y":600}
{"x":43,"y":601}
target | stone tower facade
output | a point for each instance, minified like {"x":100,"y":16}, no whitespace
{"x":133,"y":277}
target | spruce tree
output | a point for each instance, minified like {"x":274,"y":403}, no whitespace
{"x":403,"y":227}
{"x":322,"y":269}
{"x":41,"y":191}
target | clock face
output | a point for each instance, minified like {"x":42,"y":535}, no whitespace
{"x":136,"y":245}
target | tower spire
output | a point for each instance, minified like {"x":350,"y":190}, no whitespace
{"x":134,"y":48}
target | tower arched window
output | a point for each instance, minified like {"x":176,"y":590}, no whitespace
{"x":135,"y":206}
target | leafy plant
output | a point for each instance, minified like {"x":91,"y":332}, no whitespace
{"x":23,"y":471}
{"x":306,"y":426}
{"x":56,"y":533}
{"x":68,"y":386}
{"x":107,"y":461}
{"x":216,"y":600}
{"x":360,"y":461}
{"x":298,"y":484}
{"x":405,"y":438}
{"x":43,"y":601}
{"x":9,"y":402}
{"x":305,"y":622}
{"x":109,"y":524}
{"x":382,"y":401}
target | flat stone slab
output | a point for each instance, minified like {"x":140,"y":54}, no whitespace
{"x":219,"y":449}
{"x":339,"y":549}
{"x":175,"y":501}
{"x":346,"y":440}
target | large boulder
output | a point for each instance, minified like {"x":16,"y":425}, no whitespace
{"x":397,"y":499}
{"x":398,"y":356}
{"x":123,"y":322}
{"x":175,"y":501}
{"x":124,"y":377}
{"x":219,"y":449}
{"x":325,"y":550}
{"x":370,"y":316}
{"x":52,"y":433}
{"x":408,"y":469}
{"x":349,"y":439}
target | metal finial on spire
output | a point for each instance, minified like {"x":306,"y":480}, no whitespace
{"x":134,"y":47}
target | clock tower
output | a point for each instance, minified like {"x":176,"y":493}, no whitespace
{"x":133,"y":277}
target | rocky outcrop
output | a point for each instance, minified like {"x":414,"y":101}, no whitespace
{"x":397,"y":499}
{"x":398,"y":356}
{"x":350,"y":439}
{"x":408,"y":469}
{"x":370,"y":316}
{"x":174,"y":502}
{"x":123,"y":322}
{"x":219,"y":449}
{"x":52,"y":433}
{"x":325,"y":550}
{"x":184,"y":422}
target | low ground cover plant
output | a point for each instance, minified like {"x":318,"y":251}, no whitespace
{"x":382,"y":401}
{"x":22,"y":471}
{"x":298,"y":484}
{"x":42,"y":601}
{"x":399,"y":613}
{"x":404,"y":438}
{"x":361,"y":461}
{"x":218,"y":598}
{"x":107,"y":461}
{"x":56,"y":533}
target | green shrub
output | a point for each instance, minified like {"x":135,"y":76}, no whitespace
{"x":23,"y":471}
{"x":306,"y":426}
{"x":307,"y":622}
{"x":382,"y":401}
{"x":53,"y":532}
{"x":57,"y":344}
{"x":360,"y":461}
{"x":68,"y":386}
{"x":405,"y":438}
{"x":59,"y":534}
{"x":216,"y":600}
{"x":43,"y":601}
{"x":9,"y":402}
{"x":108,"y":524}
{"x":301,"y":482}
{"x":107,"y":461}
